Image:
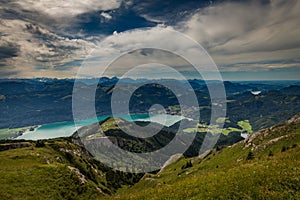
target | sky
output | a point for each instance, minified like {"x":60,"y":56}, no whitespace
{"x":247,"y":40}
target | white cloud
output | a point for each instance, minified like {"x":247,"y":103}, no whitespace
{"x":241,"y":32}
{"x":142,"y":40}
{"x":106,"y":15}
{"x":239,"y":36}
{"x":68,"y":8}
{"x":41,"y":53}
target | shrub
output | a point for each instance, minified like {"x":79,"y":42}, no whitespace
{"x":187,"y":165}
{"x":284,"y":148}
{"x":250,"y":155}
{"x":270,"y":153}
{"x":40,"y":143}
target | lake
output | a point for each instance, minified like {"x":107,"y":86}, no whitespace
{"x":66,"y":129}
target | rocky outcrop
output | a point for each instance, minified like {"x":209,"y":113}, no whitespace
{"x":266,"y":137}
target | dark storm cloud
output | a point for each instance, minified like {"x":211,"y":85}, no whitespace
{"x":8,"y":50}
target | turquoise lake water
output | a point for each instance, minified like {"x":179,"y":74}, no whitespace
{"x":65,"y":129}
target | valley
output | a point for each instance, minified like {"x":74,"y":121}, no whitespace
{"x":252,"y":168}
{"x":45,"y":101}
{"x":256,"y":147}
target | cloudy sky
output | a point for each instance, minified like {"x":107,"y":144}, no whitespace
{"x":251,"y":40}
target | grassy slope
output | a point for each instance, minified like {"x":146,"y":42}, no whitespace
{"x":274,"y":173}
{"x":41,"y":173}
{"x":48,"y":172}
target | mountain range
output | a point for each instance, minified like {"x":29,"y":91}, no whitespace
{"x":27,"y":102}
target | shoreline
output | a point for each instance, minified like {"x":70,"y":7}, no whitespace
{"x":64,"y":129}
